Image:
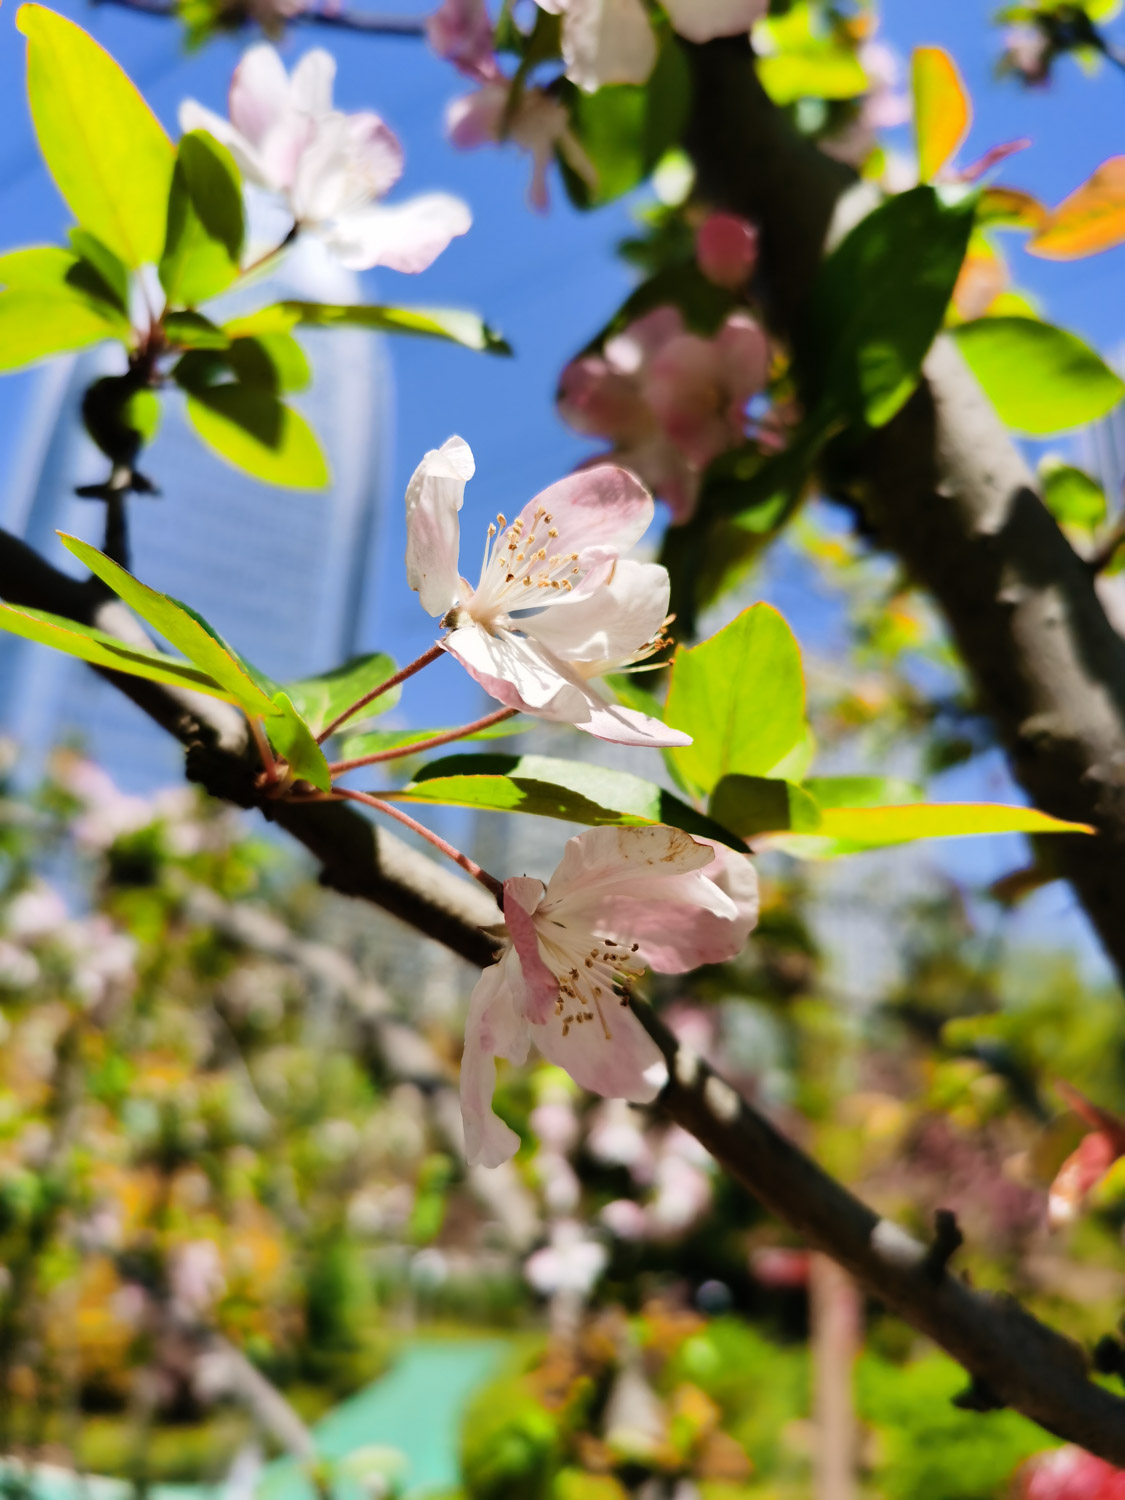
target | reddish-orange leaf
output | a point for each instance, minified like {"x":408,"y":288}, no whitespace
{"x":1011,"y":208}
{"x":942,"y":112}
{"x":1091,"y":219}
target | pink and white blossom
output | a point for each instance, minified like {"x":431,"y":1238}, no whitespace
{"x":331,"y":168}
{"x":538,"y":123}
{"x":461,"y":32}
{"x":612,"y":41}
{"x":669,"y":400}
{"x":556,"y":605}
{"x":621,"y":898}
{"x":569,"y":1265}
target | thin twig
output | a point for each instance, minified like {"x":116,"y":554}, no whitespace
{"x":470,"y":866}
{"x":377,"y":692}
{"x":397,"y":752}
{"x":347,"y":20}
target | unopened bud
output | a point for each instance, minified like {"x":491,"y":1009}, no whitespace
{"x":726,"y":248}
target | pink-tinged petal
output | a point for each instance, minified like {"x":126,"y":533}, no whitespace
{"x":607,"y":41}
{"x":193,"y":116}
{"x":259,"y":93}
{"x":609,"y":625}
{"x":631,"y":350}
{"x":604,"y":507}
{"x":474,"y":119}
{"x":626,"y":726}
{"x":701,"y":20}
{"x":310,"y":86}
{"x":461,"y":32}
{"x":434,"y":495}
{"x":745,"y":354}
{"x":516,"y":671}
{"x":604,"y":860}
{"x":495,"y":1028}
{"x":612,"y":1055}
{"x":408,"y":237}
{"x":600,"y":401}
{"x":377,"y":153}
{"x":347,"y":161}
{"x":726,"y":249}
{"x":522,"y":895}
{"x":687,"y":391}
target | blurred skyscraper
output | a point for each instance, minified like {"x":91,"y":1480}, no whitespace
{"x":1101,"y":446}
{"x":281,"y":573}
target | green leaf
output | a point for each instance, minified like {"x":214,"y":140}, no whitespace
{"x":741,"y":696}
{"x":624,"y":129}
{"x":206,"y":225}
{"x":110,"y":269}
{"x":191,"y":330}
{"x":1072,"y":497}
{"x":321,"y":699}
{"x":805,"y":58}
{"x":179,"y":626}
{"x":567,"y":789}
{"x":629,"y":691}
{"x":36,"y":325}
{"x":253,"y":431}
{"x":378,"y":740}
{"x":292,"y":738}
{"x":878,"y":301}
{"x":750,"y":805}
{"x":861,"y":791}
{"x":851,"y":830}
{"x":430,"y":322}
{"x":102,"y":650}
{"x":274,"y":361}
{"x":106,"y":150}
{"x":1039,"y":378}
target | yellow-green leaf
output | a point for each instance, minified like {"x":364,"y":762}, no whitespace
{"x":291,"y":736}
{"x":942,"y":113}
{"x":206,"y":224}
{"x":254,"y":431}
{"x":447,"y":323}
{"x":851,"y":830}
{"x":1039,"y":378}
{"x":106,"y":150}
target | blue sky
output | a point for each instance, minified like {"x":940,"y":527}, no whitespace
{"x":550,"y":280}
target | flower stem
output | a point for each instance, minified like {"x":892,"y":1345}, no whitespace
{"x":396,"y":752}
{"x":471,"y":867}
{"x":377,"y":692}
{"x":262,"y":260}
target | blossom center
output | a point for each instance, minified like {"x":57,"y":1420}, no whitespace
{"x":523,"y":568}
{"x":588,"y":978}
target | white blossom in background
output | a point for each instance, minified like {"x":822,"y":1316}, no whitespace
{"x":612,"y":41}
{"x":331,"y":168}
{"x":621,"y":899}
{"x":570,"y":1264}
{"x":556,"y":605}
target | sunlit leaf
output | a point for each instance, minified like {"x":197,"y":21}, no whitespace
{"x":851,"y":830}
{"x":36,"y":325}
{"x":1091,"y":219}
{"x":102,"y":650}
{"x":274,"y":361}
{"x":205,"y":226}
{"x":942,"y":112}
{"x":180,"y":627}
{"x":191,"y":330}
{"x":750,"y":805}
{"x":293,"y":738}
{"x":740,"y":695}
{"x":1072,"y":497}
{"x":861,"y":791}
{"x":111,"y":271}
{"x":1039,"y":378}
{"x":376,"y":741}
{"x":572,"y":790}
{"x":430,"y":322}
{"x":878,"y":302}
{"x":802,"y":56}
{"x":255,"y":432}
{"x":106,"y":150}
{"x":322,"y":698}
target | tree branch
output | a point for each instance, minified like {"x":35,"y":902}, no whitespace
{"x":1005,"y":1350}
{"x":944,"y":487}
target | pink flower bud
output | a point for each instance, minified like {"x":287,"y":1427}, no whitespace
{"x":726,"y":248}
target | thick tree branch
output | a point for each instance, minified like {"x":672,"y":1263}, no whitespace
{"x":1018,"y":1360}
{"x":944,"y":487}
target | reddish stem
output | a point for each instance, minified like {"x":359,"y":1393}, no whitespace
{"x":263,"y":747}
{"x":377,"y":692}
{"x":338,"y":767}
{"x":470,"y":866}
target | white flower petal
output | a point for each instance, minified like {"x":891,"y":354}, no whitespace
{"x":513,"y":669}
{"x":701,"y":20}
{"x":194,"y":116}
{"x":618,"y":1060}
{"x":259,"y":93}
{"x":310,"y":87}
{"x":406,"y":237}
{"x":612,"y":623}
{"x":613,"y":859}
{"x":495,"y":1028}
{"x":434,"y":495}
{"x":607,"y":41}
